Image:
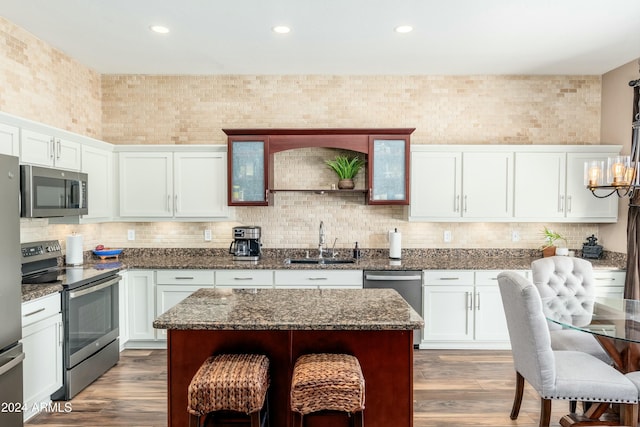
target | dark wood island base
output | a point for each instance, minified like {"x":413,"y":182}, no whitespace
{"x":386,"y":358}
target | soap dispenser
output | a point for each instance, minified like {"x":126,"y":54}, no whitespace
{"x":356,"y":252}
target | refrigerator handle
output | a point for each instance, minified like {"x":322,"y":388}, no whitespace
{"x":12,"y":364}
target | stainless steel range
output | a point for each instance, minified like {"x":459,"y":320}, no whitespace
{"x":89,"y":312}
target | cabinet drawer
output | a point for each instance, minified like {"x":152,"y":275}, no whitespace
{"x":609,"y":277}
{"x":448,"y":277}
{"x":187,"y":277}
{"x":41,"y":308}
{"x":242,"y":278}
{"x":490,"y":277}
{"x":318,"y":277}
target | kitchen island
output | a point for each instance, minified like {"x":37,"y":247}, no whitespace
{"x":374,"y":325}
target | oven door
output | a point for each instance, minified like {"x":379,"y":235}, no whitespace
{"x":91,"y":319}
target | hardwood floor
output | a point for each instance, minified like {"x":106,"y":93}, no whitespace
{"x":451,"y":388}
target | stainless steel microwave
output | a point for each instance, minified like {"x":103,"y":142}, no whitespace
{"x":47,"y":192}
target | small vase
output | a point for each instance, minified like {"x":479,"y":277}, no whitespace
{"x":346,"y":184}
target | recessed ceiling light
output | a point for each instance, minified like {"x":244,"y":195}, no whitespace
{"x":404,"y":29}
{"x":160,"y":29}
{"x":281,"y":29}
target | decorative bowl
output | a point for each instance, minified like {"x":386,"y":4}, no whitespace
{"x":107,"y":253}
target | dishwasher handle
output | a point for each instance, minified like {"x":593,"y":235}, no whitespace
{"x":379,"y":277}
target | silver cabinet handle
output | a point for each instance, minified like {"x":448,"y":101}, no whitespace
{"x":60,"y":334}
{"x":243,"y":278}
{"x":317,"y":278}
{"x":175,"y":203}
{"x":168,"y":202}
{"x":183,"y":278}
{"x":456,"y":204}
{"x":560,"y":203}
{"x":465,"y":202}
{"x":34,"y":312}
{"x":59,"y":150}
{"x":569,"y":204}
{"x":448,"y":278}
{"x":478,"y":301}
{"x":52,"y":148}
{"x":469,"y":297}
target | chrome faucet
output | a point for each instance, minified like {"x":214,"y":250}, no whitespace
{"x":321,"y":239}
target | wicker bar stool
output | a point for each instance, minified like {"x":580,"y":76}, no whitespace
{"x":328,"y":382}
{"x":230,"y":382}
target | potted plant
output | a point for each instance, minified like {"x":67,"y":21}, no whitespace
{"x":346,"y":168}
{"x":550,"y":238}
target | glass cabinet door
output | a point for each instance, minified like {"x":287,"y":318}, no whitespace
{"x":247,"y":166}
{"x":389,"y":170}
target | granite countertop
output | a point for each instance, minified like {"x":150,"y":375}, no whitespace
{"x":291,"y":309}
{"x":31,"y":292}
{"x":412,"y":259}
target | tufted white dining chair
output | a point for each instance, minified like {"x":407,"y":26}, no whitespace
{"x":566,"y":375}
{"x":572,"y":279}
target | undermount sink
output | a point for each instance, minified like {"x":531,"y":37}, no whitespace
{"x":319,"y":261}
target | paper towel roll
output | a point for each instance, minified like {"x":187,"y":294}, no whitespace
{"x":74,"y":249}
{"x":395,"y":244}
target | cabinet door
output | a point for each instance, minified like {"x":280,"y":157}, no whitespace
{"x":36,"y":148}
{"x":448,"y":313}
{"x":42,"y":366}
{"x":67,"y":154}
{"x":490,"y":322}
{"x":487,"y":185}
{"x":98,"y":165}
{"x":581,"y":203}
{"x":169,"y":295}
{"x":9,"y":140}
{"x":388,"y":170}
{"x":436,"y":182}
{"x":200,"y":184}
{"x":146,"y":185}
{"x":248,"y":167}
{"x":540,"y":185}
{"x":141,"y":304}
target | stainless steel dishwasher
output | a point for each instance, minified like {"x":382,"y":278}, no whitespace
{"x":407,"y":283}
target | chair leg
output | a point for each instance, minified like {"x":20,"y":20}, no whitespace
{"x":358,"y":419}
{"x":629,"y":414}
{"x":545,"y":412}
{"x":517,"y":400}
{"x":194,"y":420}
{"x":255,"y":419}
{"x":573,"y":405}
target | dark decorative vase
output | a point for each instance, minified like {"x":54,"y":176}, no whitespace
{"x":346,"y":184}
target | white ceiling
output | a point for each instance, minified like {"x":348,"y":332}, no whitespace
{"x":450,"y":37}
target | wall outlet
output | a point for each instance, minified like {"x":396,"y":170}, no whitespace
{"x":515,"y":236}
{"x":131,"y":234}
{"x":207,"y":235}
{"x":447,"y":236}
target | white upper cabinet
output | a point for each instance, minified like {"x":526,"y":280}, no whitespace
{"x":550,"y":186}
{"x":173,"y":184}
{"x":9,"y":140}
{"x":507,"y":183}
{"x":200,"y":184}
{"x":429,"y":200}
{"x":455,"y":185}
{"x":540,"y":185}
{"x":46,"y":150}
{"x":146,"y":184}
{"x":487,"y":185}
{"x":98,"y":165}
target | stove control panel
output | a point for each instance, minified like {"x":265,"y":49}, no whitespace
{"x":45,"y":249}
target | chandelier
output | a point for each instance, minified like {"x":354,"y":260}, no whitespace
{"x":622,"y":173}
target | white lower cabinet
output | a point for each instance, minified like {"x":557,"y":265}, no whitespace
{"x":123,"y":309}
{"x":463,"y":309}
{"x":609,"y":283}
{"x":172,"y":286}
{"x":318,"y":279}
{"x":141,"y":301}
{"x":42,"y":337}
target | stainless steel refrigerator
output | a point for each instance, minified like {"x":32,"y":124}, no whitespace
{"x":11,"y":354}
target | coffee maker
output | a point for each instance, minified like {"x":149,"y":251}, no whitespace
{"x":246,"y":245}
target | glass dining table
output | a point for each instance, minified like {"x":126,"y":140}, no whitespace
{"x":615,"y":323}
